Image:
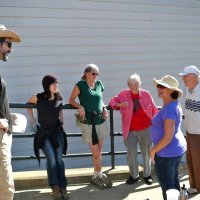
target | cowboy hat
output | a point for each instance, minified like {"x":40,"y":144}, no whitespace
{"x":169,"y":82}
{"x":5,"y":33}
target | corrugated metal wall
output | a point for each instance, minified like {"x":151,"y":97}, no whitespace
{"x":149,"y":37}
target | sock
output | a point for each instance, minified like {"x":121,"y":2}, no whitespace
{"x":100,"y":175}
{"x":97,"y":174}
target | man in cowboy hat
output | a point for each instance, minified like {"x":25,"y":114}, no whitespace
{"x":6,"y":177}
{"x":191,"y":76}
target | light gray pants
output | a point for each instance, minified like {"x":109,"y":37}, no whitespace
{"x":6,"y":177}
{"x":143,"y":138}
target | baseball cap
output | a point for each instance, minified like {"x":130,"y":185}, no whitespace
{"x":190,"y":70}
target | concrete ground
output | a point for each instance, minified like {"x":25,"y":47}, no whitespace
{"x":79,"y":188}
{"x":119,"y":191}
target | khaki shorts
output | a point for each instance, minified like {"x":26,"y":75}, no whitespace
{"x":102,"y":131}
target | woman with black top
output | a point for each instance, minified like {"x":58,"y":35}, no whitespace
{"x":50,"y":136}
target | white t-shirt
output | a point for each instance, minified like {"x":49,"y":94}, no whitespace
{"x":192,"y":110}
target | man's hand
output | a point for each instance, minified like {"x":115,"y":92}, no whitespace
{"x":4,"y":125}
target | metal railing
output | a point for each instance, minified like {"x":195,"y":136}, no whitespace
{"x":112,"y":151}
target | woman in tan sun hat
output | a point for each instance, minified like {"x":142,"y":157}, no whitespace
{"x":6,"y":176}
{"x":167,"y":137}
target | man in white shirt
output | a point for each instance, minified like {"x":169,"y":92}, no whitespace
{"x":191,"y":77}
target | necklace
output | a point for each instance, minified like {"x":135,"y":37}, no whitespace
{"x":91,"y":86}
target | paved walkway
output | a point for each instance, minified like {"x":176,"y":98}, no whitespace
{"x":119,"y":191}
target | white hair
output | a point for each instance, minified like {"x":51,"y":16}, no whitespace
{"x":134,"y":77}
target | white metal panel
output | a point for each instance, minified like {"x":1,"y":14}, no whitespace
{"x":149,"y":37}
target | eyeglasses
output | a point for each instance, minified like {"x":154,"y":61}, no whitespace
{"x":93,"y":74}
{"x":9,"y":43}
{"x":161,"y":86}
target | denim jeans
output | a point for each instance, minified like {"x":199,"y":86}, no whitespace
{"x":55,"y":164}
{"x":166,"y":169}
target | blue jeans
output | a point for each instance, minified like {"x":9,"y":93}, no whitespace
{"x":55,"y":164}
{"x":166,"y":169}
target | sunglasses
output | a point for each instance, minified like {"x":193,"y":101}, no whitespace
{"x":9,"y":44}
{"x":161,"y":86}
{"x":93,"y":74}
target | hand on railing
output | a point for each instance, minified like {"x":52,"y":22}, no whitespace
{"x":81,"y":112}
{"x":33,"y":125}
{"x":105,"y":113}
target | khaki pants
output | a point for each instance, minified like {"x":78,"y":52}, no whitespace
{"x":6,"y":177}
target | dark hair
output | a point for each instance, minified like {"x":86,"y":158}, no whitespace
{"x":174,"y":95}
{"x":47,"y":95}
{"x":46,"y":82}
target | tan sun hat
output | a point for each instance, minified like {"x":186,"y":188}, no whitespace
{"x":5,"y":33}
{"x":169,"y":82}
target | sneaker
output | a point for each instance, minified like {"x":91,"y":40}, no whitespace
{"x":148,"y":180}
{"x":132,"y":180}
{"x":106,"y":181}
{"x":64,"y":194}
{"x":97,"y":182}
{"x":191,"y":190}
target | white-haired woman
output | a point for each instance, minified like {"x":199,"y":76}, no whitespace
{"x":137,"y":109}
{"x":167,"y":137}
{"x":93,"y":114}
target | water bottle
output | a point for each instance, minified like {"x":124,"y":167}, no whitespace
{"x":183,"y":193}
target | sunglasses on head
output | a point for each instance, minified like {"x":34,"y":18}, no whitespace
{"x":161,"y":86}
{"x":93,"y":74}
{"x":9,"y":43}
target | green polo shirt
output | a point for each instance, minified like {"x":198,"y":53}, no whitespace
{"x":91,"y":100}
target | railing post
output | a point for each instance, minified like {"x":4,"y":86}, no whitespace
{"x":112,"y":147}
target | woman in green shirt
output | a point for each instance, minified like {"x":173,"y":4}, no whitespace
{"x":93,"y":114}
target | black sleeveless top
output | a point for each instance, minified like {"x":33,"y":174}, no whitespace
{"x":48,"y":111}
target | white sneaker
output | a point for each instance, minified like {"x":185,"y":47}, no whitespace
{"x":192,"y":190}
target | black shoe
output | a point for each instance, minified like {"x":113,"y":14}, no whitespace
{"x":148,"y":180}
{"x":132,"y":180}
